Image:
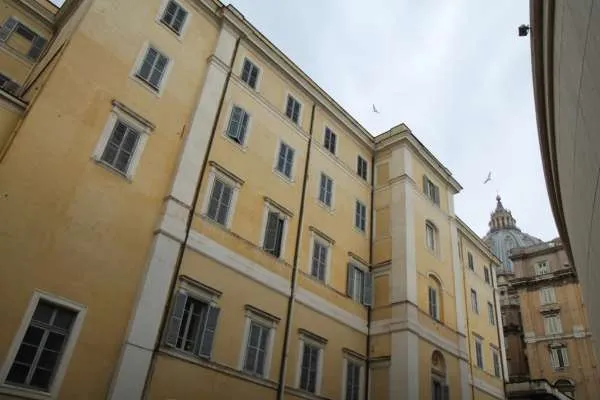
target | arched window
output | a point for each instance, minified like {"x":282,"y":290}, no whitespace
{"x":431,"y":233}
{"x":435,"y":298}
{"x":439,"y":388}
{"x":566,"y":386}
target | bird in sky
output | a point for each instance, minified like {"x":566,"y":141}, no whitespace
{"x":489,"y":178}
{"x":375,"y":109}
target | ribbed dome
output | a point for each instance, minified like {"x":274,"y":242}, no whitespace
{"x":504,"y":236}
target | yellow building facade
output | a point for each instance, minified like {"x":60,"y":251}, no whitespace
{"x":186,"y":214}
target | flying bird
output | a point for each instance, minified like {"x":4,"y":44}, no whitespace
{"x":375,"y":110}
{"x":489,"y":178}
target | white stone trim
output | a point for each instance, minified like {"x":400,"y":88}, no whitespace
{"x":60,"y":371}
{"x":138,"y":63}
{"x":322,"y":306}
{"x":303,"y":340}
{"x":361,"y":383}
{"x":487,"y":388}
{"x":212,"y":175}
{"x":179,"y":36}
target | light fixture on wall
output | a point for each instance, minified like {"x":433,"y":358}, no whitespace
{"x":524,"y":30}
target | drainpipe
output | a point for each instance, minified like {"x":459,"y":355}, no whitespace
{"x":462,"y":270}
{"x":188,"y":227}
{"x":369,"y":308}
{"x":294,"y":283}
{"x":498,"y":328}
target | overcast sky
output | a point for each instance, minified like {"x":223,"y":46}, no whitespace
{"x":455,"y":71}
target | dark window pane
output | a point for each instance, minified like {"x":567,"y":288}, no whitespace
{"x":48,"y":359}
{"x":43,"y":312}
{"x":26,"y":354}
{"x":33,"y":335}
{"x":122,"y":161}
{"x":130,"y":140}
{"x":64,"y":319}
{"x":41,"y":378}
{"x":54,"y":341}
{"x":18,"y":373}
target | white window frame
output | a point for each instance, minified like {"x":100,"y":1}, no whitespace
{"x":554,"y":361}
{"x":285,"y":101}
{"x":492,"y":315}
{"x":335,"y":152}
{"x":434,"y":232}
{"x":362,"y":300}
{"x":474,"y":301}
{"x":549,"y":325}
{"x":138,"y":63}
{"x":283,"y":176}
{"x":547,"y":295}
{"x":437,"y":315}
{"x":331,"y":206}
{"x":361,"y":382}
{"x":213,"y":174}
{"x":542,"y":268}
{"x":271,"y":207}
{"x":161,"y":12}
{"x":243,"y":146}
{"x":258,"y":75}
{"x":271,"y":324}
{"x":496,"y":357}
{"x":479,"y":343}
{"x":67,"y":352}
{"x":357,"y":228}
{"x":315,"y":237}
{"x":144,"y":128}
{"x":360,"y":157}
{"x":321,"y":346}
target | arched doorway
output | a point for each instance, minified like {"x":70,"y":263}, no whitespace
{"x":439,"y":387}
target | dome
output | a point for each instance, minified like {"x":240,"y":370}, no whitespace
{"x":504,"y":236}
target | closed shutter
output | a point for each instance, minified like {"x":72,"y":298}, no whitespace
{"x":36,"y":48}
{"x":243,"y":128}
{"x":368,"y":289}
{"x":425,"y":186}
{"x":176,"y":317}
{"x":7,"y":28}
{"x":350,"y":280}
{"x":234,"y":123}
{"x":436,"y":195}
{"x":554,"y":358}
{"x":446,"y":393}
{"x":208,"y":332}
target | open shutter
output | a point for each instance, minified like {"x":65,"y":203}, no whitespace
{"x":368,"y":289}
{"x":425,"y":186}
{"x":436,"y":195}
{"x":554,"y":358}
{"x":350,"y":280}
{"x":176,"y":317}
{"x":565,"y":357}
{"x":36,"y":48}
{"x":208,"y":331}
{"x":446,"y":393}
{"x":7,"y":28}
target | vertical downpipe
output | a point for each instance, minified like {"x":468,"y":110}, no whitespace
{"x":293,"y":284}
{"x":499,"y":326}
{"x":462,"y":271}
{"x":371,"y":229}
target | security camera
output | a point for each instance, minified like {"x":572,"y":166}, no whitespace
{"x":524,"y":30}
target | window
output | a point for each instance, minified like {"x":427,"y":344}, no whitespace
{"x":565,"y":386}
{"x":474,"y":304}
{"x":8,"y":84}
{"x":192,"y":325}
{"x":547,"y":295}
{"x":558,"y":357}
{"x":238,"y":125}
{"x":491,"y":316}
{"x":309,"y":372}
{"x":470,"y":261}
{"x":330,"y":140}
{"x":478,"y":353}
{"x":174,"y":17}
{"x":319,"y":259}
{"x":430,"y":236}
{"x":250,"y":73}
{"x":120,"y":147}
{"x":439,"y":390}
{"x":153,"y":68}
{"x":273,"y":239}
{"x":486,"y":274}
{"x":360,"y":285}
{"x":285,"y":160}
{"x":542,"y":268}
{"x":360,"y":216}
{"x":361,"y":167}
{"x":552,"y":325}
{"x":325,"y":190}
{"x":256,"y":349}
{"x":42,"y":347}
{"x":352,"y":386}
{"x":431,"y":191}
{"x":433,"y":303}
{"x":22,"y":39}
{"x":496,"y":360}
{"x":220,"y":202}
{"x":292,"y":109}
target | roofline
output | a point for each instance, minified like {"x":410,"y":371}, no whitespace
{"x":536,"y":250}
{"x":468,"y":232}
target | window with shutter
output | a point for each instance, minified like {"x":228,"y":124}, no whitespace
{"x":474,"y":303}
{"x":433,"y":303}
{"x":285,"y":160}
{"x":256,"y":349}
{"x":326,"y":190}
{"x":220,"y":202}
{"x":120,"y":147}
{"x":329,"y":140}
{"x":319,"y":260}
{"x":36,"y":43}
{"x":479,"y":353}
{"x":274,"y":233}
{"x":292,"y":110}
{"x":174,"y":16}
{"x":360,"y":217}
{"x":250,"y":73}
{"x":309,"y":367}
{"x":359,"y":285}
{"x":361,"y":167}
{"x":547,"y":295}
{"x":470,"y":261}
{"x":431,"y":191}
{"x":352,"y":380}
{"x":153,"y":68}
{"x":491,"y":315}
{"x":238,"y":125}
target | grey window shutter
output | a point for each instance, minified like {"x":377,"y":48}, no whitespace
{"x":244,"y":127}
{"x":208,"y":332}
{"x":436,"y":195}
{"x":176,"y":317}
{"x":234,"y":122}
{"x":425,"y":185}
{"x":368,"y":289}
{"x":350,"y":280}
{"x":7,"y":28}
{"x":36,"y":48}
{"x":271,"y":231}
{"x":446,"y":394}
{"x":246,"y":71}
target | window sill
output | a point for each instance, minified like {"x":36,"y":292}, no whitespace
{"x":146,"y":86}
{"x":23,"y":392}
{"x":113,"y":170}
{"x":238,"y":146}
{"x":283,"y":177}
{"x":325,"y":207}
{"x":360,"y":231}
{"x":177,"y":35}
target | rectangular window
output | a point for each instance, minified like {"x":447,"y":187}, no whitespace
{"x":250,"y":73}
{"x":352,"y":380}
{"x":486,"y":274}
{"x":174,"y":16}
{"x":479,"y":353}
{"x":552,"y":325}
{"x":470,"y":260}
{"x":496,"y":359}
{"x":330,"y":140}
{"x":559,"y":357}
{"x":238,"y":125}
{"x":547,"y":295}
{"x":360,"y":285}
{"x":220,"y":202}
{"x":153,"y":67}
{"x":309,"y":367}
{"x":325,"y":190}
{"x":360,"y":216}
{"x":361,"y":167}
{"x":120,"y":147}
{"x":42,"y":346}
{"x":192,"y":325}
{"x":285,"y":160}
{"x":491,"y":316}
{"x":292,"y":109}
{"x":431,"y":191}
{"x":22,"y":39}
{"x":274,"y":233}
{"x":430,"y":236}
{"x":542,"y":268}
{"x":433,"y":303}
{"x":8,"y":84}
{"x":256,"y":349}
{"x":474,"y":304}
{"x":319,"y":260}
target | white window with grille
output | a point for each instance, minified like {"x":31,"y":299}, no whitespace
{"x":559,"y":357}
{"x":326,"y":191}
{"x":293,"y":109}
{"x":547,"y":295}
{"x":257,"y":345}
{"x":174,"y":16}
{"x":552,"y":325}
{"x":284,"y":163}
{"x":353,"y":377}
{"x":152,"y":68}
{"x":18,"y":37}
{"x":250,"y":74}
{"x":360,"y":284}
{"x":221,"y":195}
{"x":310,"y":362}
{"x":542,"y":268}
{"x":238,"y":125}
